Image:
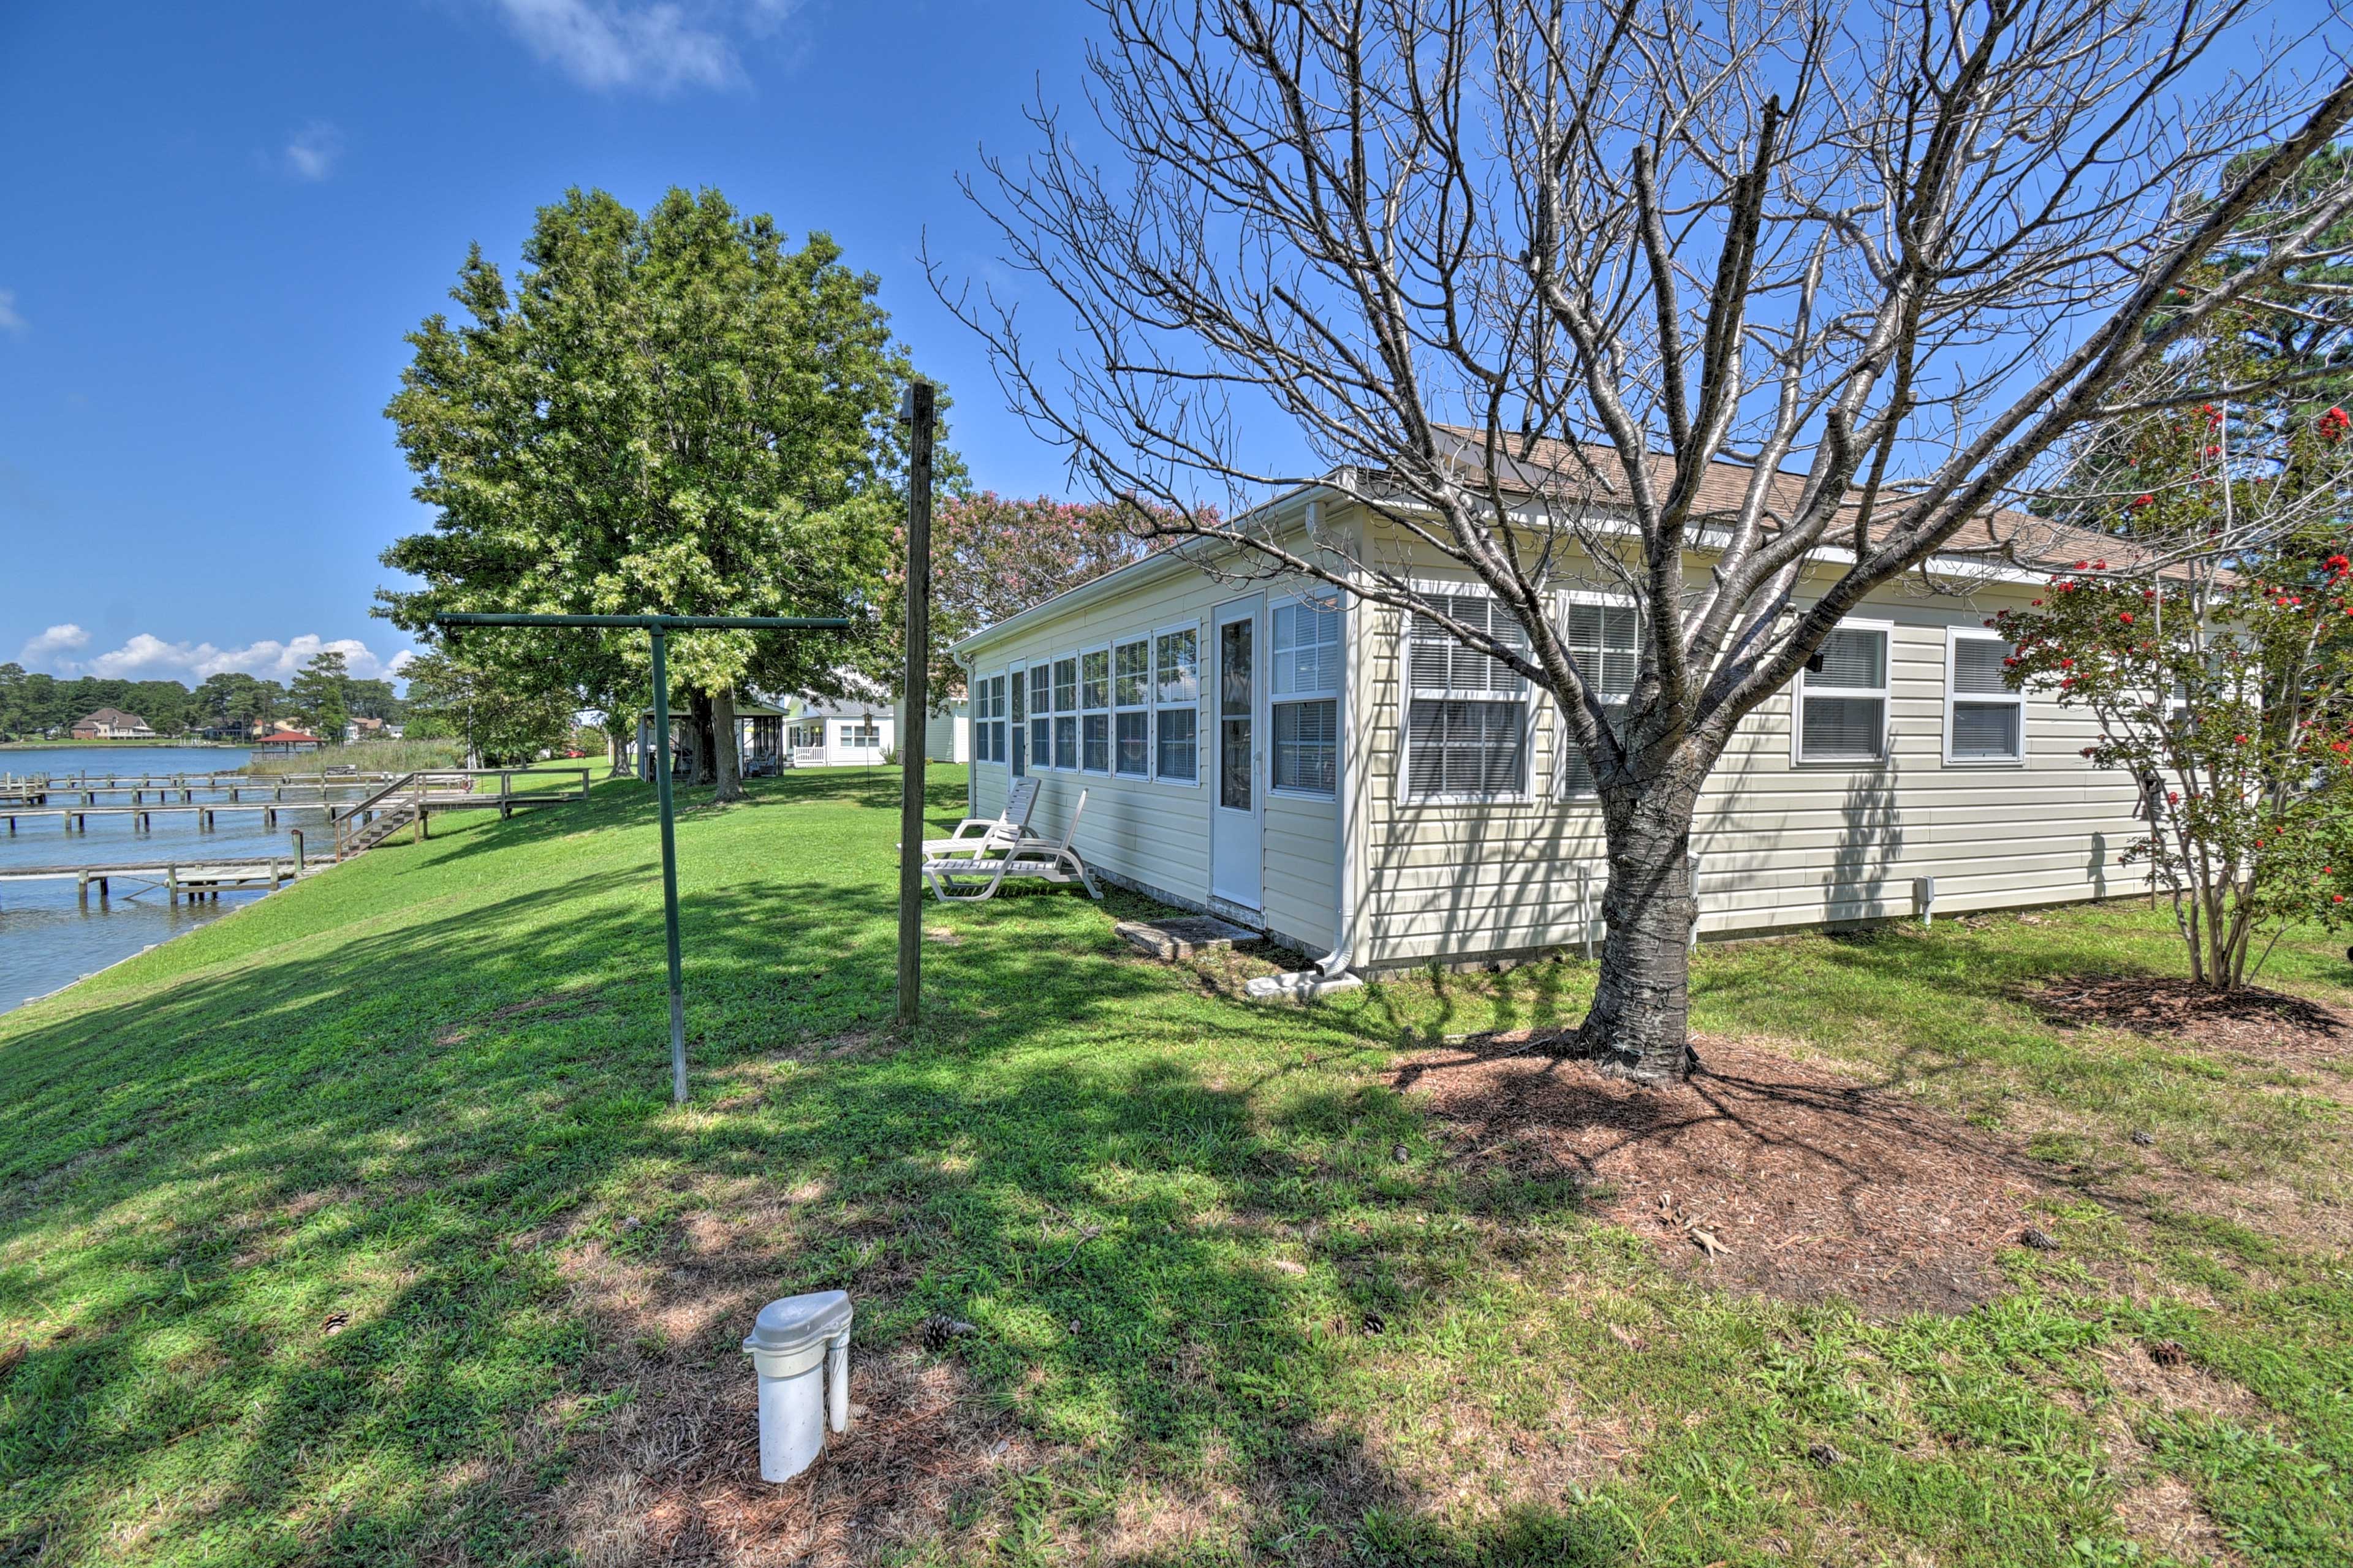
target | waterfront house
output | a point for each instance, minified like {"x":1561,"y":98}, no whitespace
{"x":111,"y":724}
{"x":1363,"y":788}
{"x":286,"y":742}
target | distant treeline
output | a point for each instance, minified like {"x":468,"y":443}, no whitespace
{"x":32,"y":706}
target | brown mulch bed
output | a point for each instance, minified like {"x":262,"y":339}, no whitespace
{"x":2249,"y":1020}
{"x":1810,"y":1186}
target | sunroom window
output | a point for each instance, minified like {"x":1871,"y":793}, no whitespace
{"x":1306,"y":695}
{"x":1066,"y":713}
{"x":1041,"y":720}
{"x":1131,"y":698}
{"x":1094,"y":701}
{"x":1175,"y":711}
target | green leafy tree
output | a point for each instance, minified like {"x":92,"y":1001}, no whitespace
{"x":319,"y":694}
{"x":673,"y":412}
{"x":504,"y":719}
{"x":2218,"y":658}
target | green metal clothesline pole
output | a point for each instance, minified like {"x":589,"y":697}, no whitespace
{"x":657,"y":628}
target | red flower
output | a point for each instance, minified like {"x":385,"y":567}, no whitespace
{"x":2173,"y":797}
{"x":2242,"y":740}
{"x":2125,"y":617}
{"x":2143,"y":500}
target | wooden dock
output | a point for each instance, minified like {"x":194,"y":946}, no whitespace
{"x":76,"y":818}
{"x":192,"y":880}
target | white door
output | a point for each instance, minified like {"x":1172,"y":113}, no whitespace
{"x":1236,"y":791}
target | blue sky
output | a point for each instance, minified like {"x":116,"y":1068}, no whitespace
{"x":223,"y":218}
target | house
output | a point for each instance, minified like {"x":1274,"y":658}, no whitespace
{"x":111,"y":724}
{"x":848,"y":731}
{"x":759,"y":738}
{"x":947,"y":733}
{"x":1367,"y":790}
{"x":288,"y":742}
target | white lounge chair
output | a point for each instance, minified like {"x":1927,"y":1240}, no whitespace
{"x":966,"y":879}
{"x":978,"y":836}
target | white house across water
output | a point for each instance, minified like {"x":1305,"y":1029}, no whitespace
{"x":1369,"y":792}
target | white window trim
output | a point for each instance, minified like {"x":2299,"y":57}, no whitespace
{"x":1054,"y":725}
{"x":1016,"y":673}
{"x":1332,"y":694}
{"x":1110,"y":729}
{"x":1953,"y":635}
{"x":1407,"y":691}
{"x":1563,"y":742}
{"x":1200,"y":637}
{"x":1044,"y":764}
{"x":1144,"y":707}
{"x":1886,"y":693}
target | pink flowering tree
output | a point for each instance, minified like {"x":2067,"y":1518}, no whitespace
{"x":2216,"y":650}
{"x":993,"y":555}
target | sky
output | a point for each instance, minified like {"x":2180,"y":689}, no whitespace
{"x":223,"y":219}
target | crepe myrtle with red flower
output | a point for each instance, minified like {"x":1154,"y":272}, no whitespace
{"x":2224,"y":687}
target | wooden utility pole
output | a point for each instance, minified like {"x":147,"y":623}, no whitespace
{"x":917,"y":702}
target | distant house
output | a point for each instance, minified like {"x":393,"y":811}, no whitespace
{"x":287,"y":741}
{"x":821,"y":732}
{"x":112,"y":724}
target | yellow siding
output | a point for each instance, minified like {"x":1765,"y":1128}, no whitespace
{"x":1780,"y":845}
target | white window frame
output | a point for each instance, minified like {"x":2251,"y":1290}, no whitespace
{"x":1054,"y":685}
{"x":1015,"y":674}
{"x":1105,"y":711}
{"x":1407,"y":691}
{"x":1954,"y":635}
{"x":1326,"y":598}
{"x":1118,"y":709}
{"x":1885,"y":692}
{"x":1565,"y":745}
{"x":1041,"y":765}
{"x":1201,"y":692}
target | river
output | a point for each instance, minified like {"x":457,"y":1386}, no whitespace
{"x":47,"y":938}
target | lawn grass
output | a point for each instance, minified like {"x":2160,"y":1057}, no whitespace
{"x":312,"y":1223}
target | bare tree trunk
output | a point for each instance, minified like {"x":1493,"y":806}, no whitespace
{"x":727,"y":764}
{"x":1638,"y":1027}
{"x":617,"y":742}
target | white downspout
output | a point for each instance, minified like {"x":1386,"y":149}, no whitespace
{"x":1331,"y":972}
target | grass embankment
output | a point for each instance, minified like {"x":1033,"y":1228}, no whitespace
{"x":359,"y":1228}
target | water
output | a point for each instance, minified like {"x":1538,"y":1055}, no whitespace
{"x":47,"y":938}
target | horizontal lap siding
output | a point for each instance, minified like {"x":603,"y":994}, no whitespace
{"x":1779,"y":844}
{"x":1154,"y":834}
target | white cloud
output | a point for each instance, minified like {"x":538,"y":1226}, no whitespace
{"x":51,"y":643}
{"x":611,"y":43}
{"x":10,"y":322}
{"x":311,"y":154}
{"x":149,"y":657}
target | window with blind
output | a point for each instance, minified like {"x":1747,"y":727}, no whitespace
{"x":1842,"y":698}
{"x":1305,"y":695}
{"x":1066,"y":713}
{"x":1130,"y":700}
{"x":1605,"y":640}
{"x":1095,"y":705}
{"x":1466,"y":715}
{"x":1175,"y":706}
{"x":1985,"y":721}
{"x":1041,"y":716}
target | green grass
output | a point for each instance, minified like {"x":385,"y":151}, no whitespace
{"x":428,"y":1093}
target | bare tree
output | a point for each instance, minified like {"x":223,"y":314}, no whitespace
{"x":1520,"y":277}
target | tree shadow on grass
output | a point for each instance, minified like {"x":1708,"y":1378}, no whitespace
{"x":296,"y":1243}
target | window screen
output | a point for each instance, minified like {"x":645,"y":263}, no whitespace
{"x":1842,"y":704}
{"x":1984,"y":720}
{"x":1466,"y":717}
